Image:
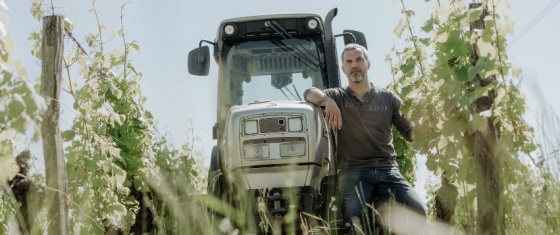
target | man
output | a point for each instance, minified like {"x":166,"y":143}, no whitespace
{"x":364,"y":114}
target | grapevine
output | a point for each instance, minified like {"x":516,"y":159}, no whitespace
{"x":440,"y":92}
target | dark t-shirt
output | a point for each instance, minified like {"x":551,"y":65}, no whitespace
{"x":366,"y":140}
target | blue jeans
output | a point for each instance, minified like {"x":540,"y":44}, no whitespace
{"x":362,"y":187}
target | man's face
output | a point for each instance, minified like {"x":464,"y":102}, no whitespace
{"x":355,"y":65}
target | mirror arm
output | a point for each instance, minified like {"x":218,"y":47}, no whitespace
{"x":200,"y":57}
{"x":347,"y":33}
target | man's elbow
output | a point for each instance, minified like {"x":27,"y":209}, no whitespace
{"x":313,"y":95}
{"x":306,"y":94}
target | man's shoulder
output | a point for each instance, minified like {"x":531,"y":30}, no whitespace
{"x":389,"y":95}
{"x":381,"y":90}
{"x":337,"y":90}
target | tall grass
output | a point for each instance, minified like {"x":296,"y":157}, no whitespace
{"x":186,"y":210}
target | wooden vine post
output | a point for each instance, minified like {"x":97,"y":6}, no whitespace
{"x":489,"y":171}
{"x":52,"y":51}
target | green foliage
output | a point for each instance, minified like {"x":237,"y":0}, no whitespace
{"x":8,"y":212}
{"x":109,"y":143}
{"x":113,"y":151}
{"x":440,"y":91}
{"x":116,"y":161}
{"x":21,"y":111}
{"x":405,"y":157}
{"x":181,"y":180}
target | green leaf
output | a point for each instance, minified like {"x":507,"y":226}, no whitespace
{"x":425,"y":41}
{"x":455,"y":45}
{"x":420,"y":141}
{"x":122,"y":190}
{"x":501,"y":7}
{"x":91,"y":165}
{"x":34,"y":36}
{"x":471,"y":195}
{"x":516,"y":72}
{"x":68,"y":135}
{"x":432,"y":164}
{"x":482,"y":91}
{"x":134,"y":46}
{"x":443,"y":11}
{"x":20,"y":70}
{"x":116,"y":91}
{"x":405,"y":91}
{"x":474,"y":14}
{"x":443,"y":142}
{"x":448,"y":128}
{"x":36,"y":10}
{"x":481,"y":64}
{"x":16,"y":107}
{"x":428,"y":25}
{"x":8,"y":168}
{"x":113,"y":151}
{"x":408,"y":66}
{"x":464,"y":171}
{"x":68,"y":25}
{"x":508,"y":26}
{"x":7,"y":78}
{"x":461,"y":74}
{"x":408,"y":12}
{"x":399,"y":28}
{"x":486,"y":49}
{"x":487,"y":34}
{"x":479,"y":123}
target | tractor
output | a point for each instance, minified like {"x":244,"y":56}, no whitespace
{"x":274,"y":148}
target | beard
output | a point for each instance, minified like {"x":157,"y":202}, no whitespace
{"x":356,"y":76}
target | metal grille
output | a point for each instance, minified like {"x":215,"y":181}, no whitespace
{"x":280,"y":62}
{"x":267,"y":125}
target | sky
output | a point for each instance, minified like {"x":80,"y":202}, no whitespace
{"x":168,"y":30}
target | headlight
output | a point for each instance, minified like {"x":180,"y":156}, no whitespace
{"x":250,"y":127}
{"x":295,"y":124}
{"x":312,"y":23}
{"x":256,"y":152}
{"x":293,"y":149}
{"x":229,"y":29}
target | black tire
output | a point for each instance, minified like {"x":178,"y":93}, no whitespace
{"x":214,"y":174}
{"x":218,"y":185}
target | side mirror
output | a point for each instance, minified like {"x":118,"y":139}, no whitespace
{"x":199,"y":61}
{"x":353,"y":36}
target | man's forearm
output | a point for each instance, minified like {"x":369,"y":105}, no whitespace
{"x":331,"y":112}
{"x":316,"y":96}
{"x":405,"y":128}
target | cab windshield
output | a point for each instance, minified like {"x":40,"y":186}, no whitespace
{"x":272,"y":70}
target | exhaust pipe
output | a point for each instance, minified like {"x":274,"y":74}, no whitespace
{"x":331,"y":57}
{"x":329,"y":35}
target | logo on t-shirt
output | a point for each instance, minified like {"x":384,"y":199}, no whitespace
{"x":378,"y":107}
{"x":368,"y":107}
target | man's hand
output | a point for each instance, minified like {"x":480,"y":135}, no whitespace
{"x":332,"y":114}
{"x":410,"y":135}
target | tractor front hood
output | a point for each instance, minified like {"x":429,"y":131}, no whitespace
{"x":276,"y":144}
